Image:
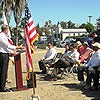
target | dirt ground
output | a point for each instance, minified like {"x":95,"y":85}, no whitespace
{"x":61,"y":89}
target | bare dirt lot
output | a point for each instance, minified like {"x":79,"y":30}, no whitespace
{"x":47,"y":90}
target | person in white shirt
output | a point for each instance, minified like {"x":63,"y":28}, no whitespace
{"x":91,"y":68}
{"x":70,"y":57}
{"x":93,"y":65}
{"x":48,"y":58}
{"x":5,"y":49}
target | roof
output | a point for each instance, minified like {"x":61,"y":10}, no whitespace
{"x":74,"y":30}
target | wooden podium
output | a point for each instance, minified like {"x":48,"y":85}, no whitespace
{"x":18,"y":70}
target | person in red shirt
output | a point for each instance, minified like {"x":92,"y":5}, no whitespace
{"x":86,"y":53}
{"x":80,"y":47}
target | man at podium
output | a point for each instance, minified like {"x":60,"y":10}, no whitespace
{"x":5,"y":49}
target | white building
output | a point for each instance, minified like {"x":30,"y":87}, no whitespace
{"x":63,"y":33}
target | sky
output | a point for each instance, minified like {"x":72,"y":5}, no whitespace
{"x":78,"y":11}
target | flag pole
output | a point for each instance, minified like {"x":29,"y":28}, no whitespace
{"x":26,"y":3}
{"x":33,"y":96}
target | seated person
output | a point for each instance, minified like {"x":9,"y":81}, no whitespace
{"x":80,"y":47}
{"x":85,"y":53}
{"x":48,"y":58}
{"x":60,"y":55}
{"x":68,"y":59}
{"x":91,"y":68}
{"x":96,"y":38}
{"x":66,"y":48}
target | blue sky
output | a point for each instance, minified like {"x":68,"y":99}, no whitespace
{"x":64,"y":10}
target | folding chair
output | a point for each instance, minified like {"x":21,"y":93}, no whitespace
{"x":58,"y":55}
{"x":66,"y":72}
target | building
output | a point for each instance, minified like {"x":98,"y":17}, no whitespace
{"x":63,"y":33}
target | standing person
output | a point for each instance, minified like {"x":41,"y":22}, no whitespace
{"x":90,"y":40}
{"x":5,"y":49}
{"x":48,"y":58}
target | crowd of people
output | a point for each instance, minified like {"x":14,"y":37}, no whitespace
{"x":86,"y":55}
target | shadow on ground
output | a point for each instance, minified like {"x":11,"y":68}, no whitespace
{"x":73,"y":87}
{"x":45,"y":77}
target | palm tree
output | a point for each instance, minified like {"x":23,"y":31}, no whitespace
{"x":15,"y":6}
{"x":98,"y":23}
{"x":7,"y":7}
{"x":18,"y":9}
{"x":1,"y":22}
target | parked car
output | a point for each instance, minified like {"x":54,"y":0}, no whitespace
{"x":67,"y":41}
{"x":82,"y":39}
{"x":56,"y":42}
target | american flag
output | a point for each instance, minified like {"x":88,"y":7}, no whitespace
{"x":31,"y":35}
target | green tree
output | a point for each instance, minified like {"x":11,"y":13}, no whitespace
{"x":70,"y":24}
{"x":46,"y":24}
{"x":82,"y":25}
{"x":89,"y":27}
{"x":39,"y":30}
{"x":63,"y":24}
{"x":38,"y":25}
{"x":50,"y":23}
{"x":17,"y":7}
{"x":98,"y":23}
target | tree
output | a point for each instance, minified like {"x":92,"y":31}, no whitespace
{"x":70,"y":24}
{"x":98,"y":23}
{"x":39,"y":30}
{"x":22,"y":24}
{"x":46,"y":24}
{"x":7,"y":6}
{"x":89,"y":27}
{"x":82,"y":26}
{"x":1,"y":22}
{"x":38,"y":25}
{"x":63,"y":24}
{"x":17,"y":7}
{"x":50,"y":23}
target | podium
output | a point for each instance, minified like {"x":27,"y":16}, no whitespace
{"x":18,"y":70}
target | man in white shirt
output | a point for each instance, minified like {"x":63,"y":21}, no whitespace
{"x":95,"y":58}
{"x":48,"y":58}
{"x":93,"y":65}
{"x":70,"y":57}
{"x":91,"y":68}
{"x":5,"y":49}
